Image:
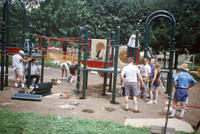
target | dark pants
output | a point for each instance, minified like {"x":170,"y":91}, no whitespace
{"x":32,"y":77}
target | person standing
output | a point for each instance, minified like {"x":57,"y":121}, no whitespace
{"x":145,"y":71}
{"x":183,"y":81}
{"x":152,"y":64}
{"x":155,"y":83}
{"x":132,"y":74}
{"x":73,"y":67}
{"x":18,"y":67}
{"x":131,"y":46}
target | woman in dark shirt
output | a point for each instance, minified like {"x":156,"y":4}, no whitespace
{"x":155,"y":83}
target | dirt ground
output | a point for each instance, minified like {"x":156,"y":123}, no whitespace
{"x":95,"y":106}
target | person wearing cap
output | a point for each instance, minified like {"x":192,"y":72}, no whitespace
{"x":132,"y":74}
{"x":18,"y":67}
{"x":182,"y":82}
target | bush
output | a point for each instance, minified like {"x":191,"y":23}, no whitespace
{"x":194,"y":67}
{"x":197,"y":58}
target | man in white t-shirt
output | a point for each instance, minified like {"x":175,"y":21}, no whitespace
{"x":18,"y":67}
{"x":130,"y":75}
{"x":145,"y":71}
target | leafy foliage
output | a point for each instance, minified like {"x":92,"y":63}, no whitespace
{"x":63,"y":18}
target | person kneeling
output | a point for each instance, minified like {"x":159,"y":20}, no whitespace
{"x":34,"y":72}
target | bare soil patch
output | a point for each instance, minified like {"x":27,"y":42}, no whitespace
{"x":95,"y":106}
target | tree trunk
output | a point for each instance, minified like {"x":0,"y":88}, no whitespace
{"x":176,"y":60}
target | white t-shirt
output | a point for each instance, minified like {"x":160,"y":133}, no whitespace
{"x":17,"y":64}
{"x":145,"y":70}
{"x":34,"y":68}
{"x":130,"y":71}
{"x":64,"y":65}
{"x":131,"y":42}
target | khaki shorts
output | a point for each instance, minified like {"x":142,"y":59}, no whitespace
{"x":131,"y":89}
{"x":19,"y":72}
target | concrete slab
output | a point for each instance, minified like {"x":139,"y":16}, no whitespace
{"x":179,"y":125}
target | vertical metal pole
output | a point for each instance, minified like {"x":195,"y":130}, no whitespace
{"x":146,"y":39}
{"x":172,"y":49}
{"x":24,"y":22}
{"x":115,"y":66}
{"x":43,"y":45}
{"x":88,"y":54}
{"x":136,"y":45}
{"x":85,"y":62}
{"x":2,"y":48}
{"x":79,"y":62}
{"x":112,"y":60}
{"x":106,"y":62}
{"x":29,"y":55}
{"x":7,"y":41}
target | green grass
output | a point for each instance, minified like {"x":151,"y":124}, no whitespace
{"x":30,"y":123}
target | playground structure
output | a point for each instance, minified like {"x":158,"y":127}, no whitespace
{"x":107,"y":68}
{"x":5,"y":41}
{"x":65,"y":49}
{"x":110,"y":62}
{"x":170,"y":79}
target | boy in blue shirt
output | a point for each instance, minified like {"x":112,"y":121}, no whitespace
{"x":182,"y":82}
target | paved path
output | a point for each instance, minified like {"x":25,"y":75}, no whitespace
{"x":179,"y":125}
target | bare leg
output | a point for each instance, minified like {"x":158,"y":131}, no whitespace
{"x":21,"y":80}
{"x":183,"y":107}
{"x":62,"y":73}
{"x":174,"y":105}
{"x":16,"y":76}
{"x":156,"y":91}
{"x":174,"y":109}
{"x":135,"y":102}
{"x":126,"y":102}
{"x":151,"y":94}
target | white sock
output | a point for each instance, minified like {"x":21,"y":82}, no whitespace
{"x":22,"y":85}
{"x":16,"y":84}
{"x":135,"y":107}
{"x":182,"y":112}
{"x":173,"y":112}
{"x":126,"y":106}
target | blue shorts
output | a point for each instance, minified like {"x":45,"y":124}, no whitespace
{"x":153,"y":86}
{"x":181,"y":95}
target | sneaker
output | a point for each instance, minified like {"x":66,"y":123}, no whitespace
{"x":150,"y":102}
{"x":22,"y":85}
{"x":155,"y":102}
{"x":180,"y":117}
{"x":16,"y":85}
{"x":126,"y":109}
{"x":31,"y":87}
{"x":171,"y":116}
{"x":137,"y":111}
